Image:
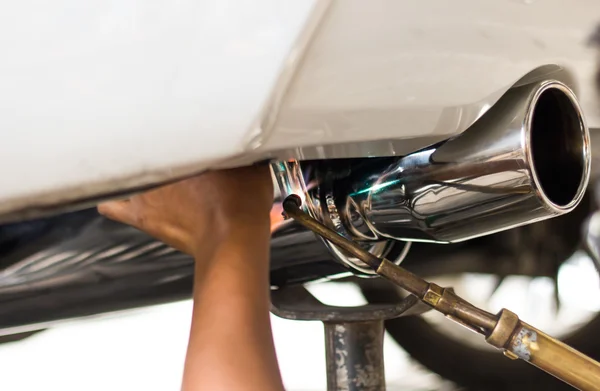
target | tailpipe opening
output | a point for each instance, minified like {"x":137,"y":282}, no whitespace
{"x":558,"y":147}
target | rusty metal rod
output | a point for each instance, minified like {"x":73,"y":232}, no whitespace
{"x":504,"y":331}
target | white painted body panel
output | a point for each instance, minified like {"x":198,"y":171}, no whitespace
{"x":390,"y":69}
{"x":98,"y":97}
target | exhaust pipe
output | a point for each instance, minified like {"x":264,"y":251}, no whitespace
{"x":525,"y":160}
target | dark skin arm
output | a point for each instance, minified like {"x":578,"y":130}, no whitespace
{"x":222,"y":219}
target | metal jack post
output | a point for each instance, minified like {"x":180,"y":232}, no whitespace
{"x":353,"y":335}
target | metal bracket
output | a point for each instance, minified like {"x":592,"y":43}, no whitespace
{"x":353,"y":335}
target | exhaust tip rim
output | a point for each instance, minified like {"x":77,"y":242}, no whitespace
{"x":583,"y":134}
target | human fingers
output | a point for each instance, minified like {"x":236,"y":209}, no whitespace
{"x":119,"y":210}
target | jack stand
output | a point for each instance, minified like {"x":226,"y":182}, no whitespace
{"x":353,"y":335}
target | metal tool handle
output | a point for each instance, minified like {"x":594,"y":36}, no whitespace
{"x":521,"y":340}
{"x":556,"y":358}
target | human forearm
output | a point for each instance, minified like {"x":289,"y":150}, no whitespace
{"x":231,"y":347}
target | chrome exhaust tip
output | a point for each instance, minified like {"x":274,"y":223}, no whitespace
{"x":525,"y":160}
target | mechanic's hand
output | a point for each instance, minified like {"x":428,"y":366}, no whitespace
{"x":201,"y":211}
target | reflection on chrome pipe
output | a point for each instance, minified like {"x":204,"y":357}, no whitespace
{"x":289,"y":180}
{"x":525,"y":160}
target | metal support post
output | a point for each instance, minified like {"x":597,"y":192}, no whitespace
{"x":354,"y":353}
